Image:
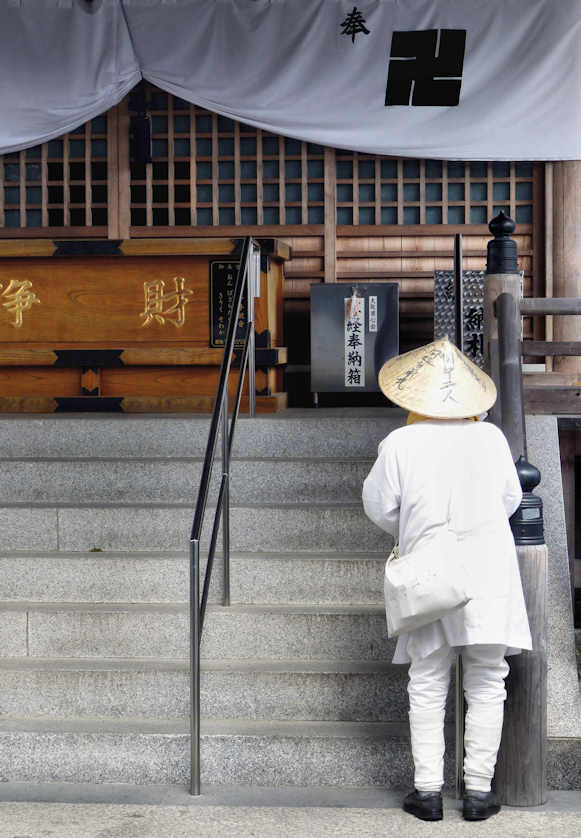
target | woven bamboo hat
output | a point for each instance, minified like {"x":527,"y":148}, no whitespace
{"x":438,"y":381}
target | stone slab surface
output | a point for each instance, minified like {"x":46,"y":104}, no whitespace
{"x":294,"y":797}
{"x":177,"y":481}
{"x":208,"y":821}
{"x":138,"y":692}
{"x":147,"y":577}
{"x":294,"y":433}
{"x":343,"y":528}
{"x":96,"y":577}
{"x":237,"y":632}
{"x":564,"y":697}
{"x":304,"y":578}
{"x":13,"y":633}
{"x":24,"y":528}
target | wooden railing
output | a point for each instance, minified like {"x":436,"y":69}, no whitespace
{"x":552,"y":392}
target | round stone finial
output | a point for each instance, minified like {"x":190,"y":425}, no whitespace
{"x":528,"y":474}
{"x":502,"y":226}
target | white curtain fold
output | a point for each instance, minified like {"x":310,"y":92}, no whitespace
{"x":316,"y":70}
{"x":62,"y":63}
{"x":289,"y":67}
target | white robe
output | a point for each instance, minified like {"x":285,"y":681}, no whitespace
{"x":423,"y":470}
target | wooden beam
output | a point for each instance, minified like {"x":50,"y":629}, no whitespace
{"x":544,"y":347}
{"x":552,"y":400}
{"x":554,"y":305}
{"x":177,"y":247}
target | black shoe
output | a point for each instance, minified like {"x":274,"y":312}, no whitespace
{"x":425,"y":805}
{"x":479,"y":805}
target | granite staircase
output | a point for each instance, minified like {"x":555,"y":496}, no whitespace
{"x":297,"y":684}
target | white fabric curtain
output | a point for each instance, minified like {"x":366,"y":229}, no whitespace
{"x":463,"y":79}
{"x":62,"y":62}
{"x":287,"y":66}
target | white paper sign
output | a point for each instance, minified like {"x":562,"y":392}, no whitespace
{"x":354,"y":341}
{"x":372,"y":314}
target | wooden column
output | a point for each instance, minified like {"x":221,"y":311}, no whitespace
{"x":501,"y":276}
{"x":520,"y":778}
{"x":568,"y":449}
{"x":567,"y":253}
{"x":330,"y":242}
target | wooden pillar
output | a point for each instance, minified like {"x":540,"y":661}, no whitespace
{"x":568,"y":449}
{"x":501,"y":276}
{"x":567,"y":253}
{"x":330,"y":235}
{"x":520,"y":778}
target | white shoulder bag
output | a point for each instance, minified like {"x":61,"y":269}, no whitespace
{"x":427,"y":583}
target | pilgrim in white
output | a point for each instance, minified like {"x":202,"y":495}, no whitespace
{"x":444,"y":462}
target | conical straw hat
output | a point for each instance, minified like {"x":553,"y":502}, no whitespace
{"x":438,"y":381}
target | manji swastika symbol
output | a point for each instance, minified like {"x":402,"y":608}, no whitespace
{"x":425,"y":67}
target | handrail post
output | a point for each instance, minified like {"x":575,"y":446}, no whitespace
{"x":459,"y":687}
{"x":502,"y":274}
{"x":226,"y":503}
{"x":510,"y":373}
{"x":521,"y":778}
{"x":195,"y":666}
{"x":252,"y":341}
{"x":220,"y":412}
{"x":521,"y":774}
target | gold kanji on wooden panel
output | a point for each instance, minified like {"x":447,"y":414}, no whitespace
{"x":165,"y":306}
{"x":18,"y":297}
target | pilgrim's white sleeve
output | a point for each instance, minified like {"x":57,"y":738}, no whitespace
{"x":381,"y":490}
{"x":512,"y":491}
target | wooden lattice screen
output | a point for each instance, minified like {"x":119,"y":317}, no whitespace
{"x":375,"y":190}
{"x":60,"y":185}
{"x":208,"y":171}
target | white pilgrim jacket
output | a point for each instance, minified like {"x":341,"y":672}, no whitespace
{"x":429,"y":468}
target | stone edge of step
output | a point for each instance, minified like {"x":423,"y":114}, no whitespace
{"x":306,"y":505}
{"x":181,"y":555}
{"x":182,"y":607}
{"x":211,"y":727}
{"x":252,"y":665}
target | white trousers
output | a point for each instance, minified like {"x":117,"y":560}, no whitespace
{"x":485,"y":669}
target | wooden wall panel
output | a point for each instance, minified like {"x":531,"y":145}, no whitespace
{"x":39,"y":381}
{"x":102,"y":302}
{"x":164,"y":381}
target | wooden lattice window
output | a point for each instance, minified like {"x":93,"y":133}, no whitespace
{"x":207,"y":170}
{"x":61,"y":183}
{"x":383,"y":190}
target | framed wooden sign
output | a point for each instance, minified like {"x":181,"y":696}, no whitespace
{"x":222,"y":281}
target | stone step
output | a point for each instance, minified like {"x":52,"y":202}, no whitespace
{"x":291,"y":578}
{"x":333,"y":432}
{"x":176,"y":481}
{"x":151,"y":631}
{"x":232,"y":752}
{"x":159,"y":689}
{"x":157,"y":527}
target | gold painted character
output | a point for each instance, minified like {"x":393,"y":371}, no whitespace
{"x":162,"y":305}
{"x":20,"y":298}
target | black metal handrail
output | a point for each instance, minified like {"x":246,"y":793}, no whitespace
{"x":219,"y":419}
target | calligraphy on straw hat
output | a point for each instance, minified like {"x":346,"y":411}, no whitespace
{"x":437,"y":380}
